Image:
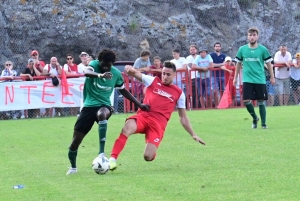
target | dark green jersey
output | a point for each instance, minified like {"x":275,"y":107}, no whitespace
{"x":253,"y":60}
{"x":97,"y":91}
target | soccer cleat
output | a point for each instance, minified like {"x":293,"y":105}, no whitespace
{"x":264,"y":126}
{"x":72,"y":171}
{"x":254,"y":123}
{"x":112,"y":164}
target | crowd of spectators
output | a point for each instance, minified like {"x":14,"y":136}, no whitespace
{"x":209,"y":74}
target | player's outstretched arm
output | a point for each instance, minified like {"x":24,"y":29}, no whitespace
{"x":185,"y":122}
{"x":130,"y":97}
{"x":89,"y":72}
{"x":131,"y":71}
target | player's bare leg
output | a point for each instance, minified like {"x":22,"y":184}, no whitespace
{"x":128,"y":129}
{"x":150,"y":152}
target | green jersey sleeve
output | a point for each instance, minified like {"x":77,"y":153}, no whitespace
{"x":239,"y":55}
{"x":95,"y":64}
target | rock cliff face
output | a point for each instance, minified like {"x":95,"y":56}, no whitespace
{"x":58,"y":27}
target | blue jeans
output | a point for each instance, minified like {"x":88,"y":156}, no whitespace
{"x":203,"y":87}
{"x":218,"y":83}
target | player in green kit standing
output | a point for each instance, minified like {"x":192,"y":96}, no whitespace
{"x":253,"y":56}
{"x":101,"y":79}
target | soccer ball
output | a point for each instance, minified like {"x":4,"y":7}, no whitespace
{"x":100,"y":165}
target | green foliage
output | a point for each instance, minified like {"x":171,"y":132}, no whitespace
{"x":238,"y":163}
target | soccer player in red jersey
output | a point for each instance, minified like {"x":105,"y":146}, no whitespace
{"x":162,"y":96}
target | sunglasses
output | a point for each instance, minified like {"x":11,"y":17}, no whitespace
{"x":69,"y":58}
{"x":8,"y":64}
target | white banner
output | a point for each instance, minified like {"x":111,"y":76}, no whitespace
{"x":41,"y":94}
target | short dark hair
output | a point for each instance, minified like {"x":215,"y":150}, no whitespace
{"x":145,"y":53}
{"x":69,"y":55}
{"x":168,"y":64}
{"x":176,"y":50}
{"x":252,"y":30}
{"x":217,"y":43}
{"x":157,"y":57}
{"x":107,"y":55}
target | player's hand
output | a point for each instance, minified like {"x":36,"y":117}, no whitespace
{"x":234,"y":81}
{"x":128,"y":69}
{"x":144,"y":107}
{"x":198,"y":139}
{"x":272,"y":81}
{"x":106,"y":75}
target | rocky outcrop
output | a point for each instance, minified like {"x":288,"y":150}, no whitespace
{"x":58,"y":27}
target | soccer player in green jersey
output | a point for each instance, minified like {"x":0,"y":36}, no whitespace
{"x":253,"y":56}
{"x":101,"y":79}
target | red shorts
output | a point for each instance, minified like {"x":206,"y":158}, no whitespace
{"x":149,"y":126}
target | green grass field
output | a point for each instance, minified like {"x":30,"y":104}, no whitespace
{"x":238,"y":163}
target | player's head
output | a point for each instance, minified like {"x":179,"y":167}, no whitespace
{"x":107,"y":58}
{"x":253,"y":35}
{"x":217,"y":47}
{"x":168,"y":73}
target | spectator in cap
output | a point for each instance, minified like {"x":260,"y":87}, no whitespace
{"x":84,"y":62}
{"x":38,"y":63}
{"x":203,"y":63}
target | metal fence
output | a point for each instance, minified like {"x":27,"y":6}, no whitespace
{"x":56,"y":28}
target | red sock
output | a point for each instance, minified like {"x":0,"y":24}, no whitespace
{"x":119,"y":146}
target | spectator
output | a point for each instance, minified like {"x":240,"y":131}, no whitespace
{"x":157,"y":66}
{"x":229,"y":75}
{"x":70,"y":68}
{"x":189,"y":61}
{"x":84,"y":62}
{"x":90,"y":58}
{"x":202,"y":63}
{"x":8,"y":73}
{"x":30,"y":72}
{"x":282,"y":74}
{"x":54,"y":69}
{"x":295,"y":78}
{"x":270,"y":87}
{"x":38,"y":63}
{"x":142,"y":63}
{"x":217,"y":80}
{"x":180,"y":64}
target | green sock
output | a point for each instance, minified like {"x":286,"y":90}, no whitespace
{"x":250,"y":109}
{"x":102,"y":135}
{"x":72,"y":157}
{"x":262,"y":112}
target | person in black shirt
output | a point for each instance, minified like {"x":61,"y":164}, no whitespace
{"x":31,"y":71}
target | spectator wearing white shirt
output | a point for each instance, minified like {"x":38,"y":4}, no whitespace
{"x":180,"y":64}
{"x":189,"y":61}
{"x":84,"y":62}
{"x":295,"y":78}
{"x":282,"y":74}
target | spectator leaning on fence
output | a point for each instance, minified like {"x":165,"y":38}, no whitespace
{"x":9,"y":73}
{"x":157,"y":66}
{"x":203,"y":63}
{"x":270,"y":87}
{"x":70,"y":67}
{"x":295,"y":78}
{"x":282,"y":74}
{"x":30,"y":71}
{"x":38,"y":63}
{"x":84,"y":62}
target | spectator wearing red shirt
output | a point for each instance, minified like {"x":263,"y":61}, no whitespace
{"x":156,"y":68}
{"x":70,"y":68}
{"x":38,"y":64}
{"x":229,"y":75}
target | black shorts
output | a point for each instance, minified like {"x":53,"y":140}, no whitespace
{"x":253,"y":91}
{"x":87,"y":118}
{"x":295,"y":84}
